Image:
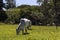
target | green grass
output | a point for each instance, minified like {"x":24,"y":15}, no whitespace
{"x":8,"y":32}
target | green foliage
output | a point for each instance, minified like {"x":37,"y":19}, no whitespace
{"x":47,"y":13}
{"x":13,"y":15}
{"x":10,"y":4}
{"x":3,"y":16}
{"x":50,"y":9}
{"x":44,"y":14}
{"x":30,"y":12}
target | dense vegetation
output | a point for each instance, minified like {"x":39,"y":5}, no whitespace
{"x":30,"y":12}
{"x":3,"y":15}
{"x":47,"y":13}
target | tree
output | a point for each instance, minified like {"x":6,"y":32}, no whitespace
{"x":10,"y":4}
{"x":3,"y":15}
{"x":39,"y":2}
{"x":45,"y":7}
{"x":56,"y":4}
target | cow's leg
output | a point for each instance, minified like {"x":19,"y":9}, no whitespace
{"x":18,"y":29}
{"x":22,"y":28}
{"x":29,"y":26}
{"x":26,"y":28}
{"x":22,"y":31}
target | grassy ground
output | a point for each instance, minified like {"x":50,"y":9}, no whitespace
{"x":8,"y":32}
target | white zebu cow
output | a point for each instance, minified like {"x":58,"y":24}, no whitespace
{"x":24,"y":24}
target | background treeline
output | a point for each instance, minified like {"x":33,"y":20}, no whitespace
{"x":30,"y":12}
{"x":44,"y":14}
{"x":37,"y":14}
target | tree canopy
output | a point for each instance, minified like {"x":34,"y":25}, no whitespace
{"x":46,"y":13}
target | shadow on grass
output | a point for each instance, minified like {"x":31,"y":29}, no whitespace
{"x":30,"y":29}
{"x":25,"y":33}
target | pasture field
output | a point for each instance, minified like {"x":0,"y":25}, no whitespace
{"x":8,"y":32}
